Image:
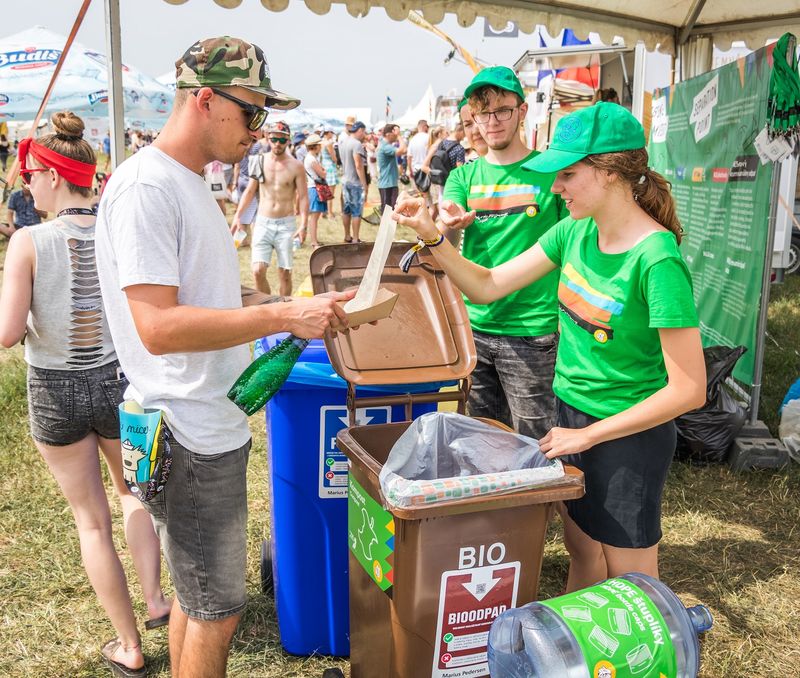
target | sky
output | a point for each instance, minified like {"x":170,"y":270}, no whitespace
{"x":333,"y":60}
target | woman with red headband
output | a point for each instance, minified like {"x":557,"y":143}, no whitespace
{"x":51,"y":298}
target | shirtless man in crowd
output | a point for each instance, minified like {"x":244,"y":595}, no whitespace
{"x":280,"y":180}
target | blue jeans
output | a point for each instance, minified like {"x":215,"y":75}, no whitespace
{"x":353,"y":195}
{"x":513,"y":382}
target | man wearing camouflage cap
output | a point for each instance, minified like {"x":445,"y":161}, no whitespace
{"x":169,"y":275}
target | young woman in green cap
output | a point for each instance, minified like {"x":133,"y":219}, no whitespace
{"x":630,"y":358}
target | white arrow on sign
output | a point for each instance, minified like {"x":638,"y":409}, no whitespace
{"x":482,"y":582}
{"x":361,"y":419}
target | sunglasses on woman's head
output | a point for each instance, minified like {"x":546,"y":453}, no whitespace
{"x":257,"y":115}
{"x":25,"y":173}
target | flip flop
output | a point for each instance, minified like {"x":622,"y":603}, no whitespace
{"x":348,"y":240}
{"x":117,"y":669}
{"x":156,"y":623}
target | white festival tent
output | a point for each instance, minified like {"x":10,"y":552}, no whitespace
{"x":424,"y":110}
{"x":689,"y":28}
{"x":27,"y":62}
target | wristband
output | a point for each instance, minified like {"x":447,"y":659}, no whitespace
{"x":408,"y":257}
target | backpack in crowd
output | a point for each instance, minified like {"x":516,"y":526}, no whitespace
{"x":440,"y":162}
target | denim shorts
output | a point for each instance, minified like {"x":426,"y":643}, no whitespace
{"x":353,"y":196}
{"x":201,"y":520}
{"x":513,"y":382}
{"x":274,"y":234}
{"x":624,"y":481}
{"x":65,"y":406}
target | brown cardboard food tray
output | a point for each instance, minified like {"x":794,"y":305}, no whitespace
{"x":426,"y":338}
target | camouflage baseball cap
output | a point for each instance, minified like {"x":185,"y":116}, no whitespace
{"x":228,"y":62}
{"x":279,"y":127}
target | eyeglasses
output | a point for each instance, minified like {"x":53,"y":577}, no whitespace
{"x":278,"y":140}
{"x":501,"y":115}
{"x":25,"y":173}
{"x":257,"y":114}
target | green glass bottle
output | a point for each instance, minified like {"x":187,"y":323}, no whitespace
{"x":266,"y":374}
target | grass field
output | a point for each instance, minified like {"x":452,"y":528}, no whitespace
{"x":731,"y":542}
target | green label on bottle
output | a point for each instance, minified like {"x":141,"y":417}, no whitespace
{"x":370,"y":531}
{"x":619,"y":630}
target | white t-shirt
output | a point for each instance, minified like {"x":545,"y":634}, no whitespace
{"x":418,"y":150}
{"x":308,"y":162}
{"x":159,"y":225}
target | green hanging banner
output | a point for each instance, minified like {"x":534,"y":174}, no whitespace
{"x":701,"y":140}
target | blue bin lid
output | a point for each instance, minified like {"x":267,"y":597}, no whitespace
{"x":314,"y":353}
{"x":321,"y":375}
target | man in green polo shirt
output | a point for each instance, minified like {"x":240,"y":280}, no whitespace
{"x":503,"y":210}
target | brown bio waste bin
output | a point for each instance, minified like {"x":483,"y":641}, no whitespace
{"x":427,"y":581}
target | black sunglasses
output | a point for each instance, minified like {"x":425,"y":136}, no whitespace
{"x":278,"y":140}
{"x":257,"y":114}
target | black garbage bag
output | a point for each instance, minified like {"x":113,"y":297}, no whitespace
{"x":705,"y":435}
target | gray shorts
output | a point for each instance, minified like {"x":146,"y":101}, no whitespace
{"x":201,"y":519}
{"x":65,"y":406}
{"x":273,"y":234}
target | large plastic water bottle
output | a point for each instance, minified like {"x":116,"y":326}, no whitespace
{"x":631,"y":626}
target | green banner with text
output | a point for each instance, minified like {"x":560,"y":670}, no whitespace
{"x":701,"y":140}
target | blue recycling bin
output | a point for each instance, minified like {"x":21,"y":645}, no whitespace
{"x":308,"y":549}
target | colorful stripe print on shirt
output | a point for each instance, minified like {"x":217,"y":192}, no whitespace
{"x":588,"y":308}
{"x":498,"y":199}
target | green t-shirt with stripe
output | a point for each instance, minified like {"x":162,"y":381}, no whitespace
{"x":611,"y":307}
{"x":514,"y":209}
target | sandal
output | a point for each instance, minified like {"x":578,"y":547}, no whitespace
{"x":156,"y":623}
{"x":348,"y":239}
{"x":118,"y":669}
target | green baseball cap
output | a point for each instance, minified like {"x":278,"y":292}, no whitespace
{"x":496,"y":76}
{"x":228,"y":62}
{"x":602,"y":128}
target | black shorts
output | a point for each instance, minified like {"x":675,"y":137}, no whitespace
{"x":624,"y":483}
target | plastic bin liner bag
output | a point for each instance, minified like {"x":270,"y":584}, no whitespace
{"x":443,"y":457}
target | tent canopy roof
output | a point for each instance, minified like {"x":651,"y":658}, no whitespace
{"x":665,"y":23}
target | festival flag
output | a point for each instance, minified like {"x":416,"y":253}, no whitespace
{"x":388,"y":107}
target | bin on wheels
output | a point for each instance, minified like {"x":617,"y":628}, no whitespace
{"x":425,"y":582}
{"x":305,"y":562}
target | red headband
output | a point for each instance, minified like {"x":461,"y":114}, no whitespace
{"x":74,"y":171}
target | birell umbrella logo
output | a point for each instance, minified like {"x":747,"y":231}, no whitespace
{"x":98,"y":97}
{"x":30,"y":57}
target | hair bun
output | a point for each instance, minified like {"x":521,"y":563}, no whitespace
{"x":67,"y":126}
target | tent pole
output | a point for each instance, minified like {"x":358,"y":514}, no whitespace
{"x":639,"y":70}
{"x":766,"y":280}
{"x":115,"y":101}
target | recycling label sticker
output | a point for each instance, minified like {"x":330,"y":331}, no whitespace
{"x":469,"y":601}
{"x":332,"y":462}
{"x":620,"y":631}
{"x":370,"y":533}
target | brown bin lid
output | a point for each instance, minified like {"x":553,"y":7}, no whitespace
{"x":426,"y":338}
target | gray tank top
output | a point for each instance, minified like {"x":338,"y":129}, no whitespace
{"x":67,"y":328}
